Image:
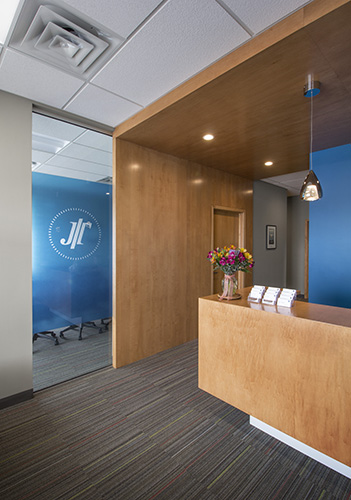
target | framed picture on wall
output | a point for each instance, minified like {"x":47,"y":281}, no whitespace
{"x":271,"y":237}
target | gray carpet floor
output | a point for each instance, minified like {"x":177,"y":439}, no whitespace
{"x":147,"y":432}
{"x":53,"y":364}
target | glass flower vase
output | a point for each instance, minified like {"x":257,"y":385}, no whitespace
{"x":229,"y":287}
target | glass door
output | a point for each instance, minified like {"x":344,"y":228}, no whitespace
{"x":72,"y":245}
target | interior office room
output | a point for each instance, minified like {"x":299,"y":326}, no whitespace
{"x":155,"y":76}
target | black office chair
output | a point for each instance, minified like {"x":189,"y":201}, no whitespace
{"x":44,"y":335}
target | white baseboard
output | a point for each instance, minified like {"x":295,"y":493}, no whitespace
{"x":307,"y":450}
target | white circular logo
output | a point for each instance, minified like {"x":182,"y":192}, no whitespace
{"x":74,"y":234}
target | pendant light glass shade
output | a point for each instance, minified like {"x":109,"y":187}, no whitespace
{"x":311,"y":189}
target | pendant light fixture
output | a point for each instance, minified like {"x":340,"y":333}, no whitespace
{"x":311,"y":189}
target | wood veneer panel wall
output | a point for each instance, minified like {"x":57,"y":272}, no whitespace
{"x":163,"y":209}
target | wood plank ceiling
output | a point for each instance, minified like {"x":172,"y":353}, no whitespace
{"x":257,"y":110}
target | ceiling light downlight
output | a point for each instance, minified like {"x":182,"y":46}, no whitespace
{"x":268,"y":163}
{"x":208,"y":137}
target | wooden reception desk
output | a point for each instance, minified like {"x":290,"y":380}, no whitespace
{"x":289,"y":368}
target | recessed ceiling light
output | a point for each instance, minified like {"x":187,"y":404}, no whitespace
{"x":47,"y":144}
{"x":208,"y":137}
{"x":268,"y":163}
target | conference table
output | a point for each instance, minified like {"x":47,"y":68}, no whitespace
{"x":288,"y":368}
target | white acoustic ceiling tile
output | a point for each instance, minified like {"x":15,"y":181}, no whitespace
{"x":182,"y":39}
{"x":81,"y":165}
{"x":258,"y":15}
{"x":96,"y":140}
{"x":121,"y":16}
{"x":27,"y":77}
{"x":64,"y":172}
{"x":40,"y":156}
{"x":86,"y":153}
{"x":58,"y":129}
{"x":101,"y":106}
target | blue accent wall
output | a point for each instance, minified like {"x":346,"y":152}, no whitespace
{"x":72,"y":251}
{"x":330,"y":229}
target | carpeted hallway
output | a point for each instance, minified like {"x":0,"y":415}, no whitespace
{"x":147,"y":432}
{"x":53,"y":364}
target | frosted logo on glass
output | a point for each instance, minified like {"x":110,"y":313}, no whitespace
{"x":74,"y":233}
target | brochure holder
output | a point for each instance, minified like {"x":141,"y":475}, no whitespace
{"x":271,"y":296}
{"x":256,"y":294}
{"x":287,"y":297}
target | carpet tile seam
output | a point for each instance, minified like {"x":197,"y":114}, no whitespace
{"x":97,"y":434}
{"x":171,"y":423}
{"x":116,"y":470}
{"x":29,"y":449}
{"x":50,"y":482}
{"x":62,"y":447}
{"x":35,"y":419}
{"x":36,"y":473}
{"x":204,"y":452}
{"x":114,"y":451}
{"x":200,"y":435}
{"x":81,"y":411}
{"x":134,"y":394}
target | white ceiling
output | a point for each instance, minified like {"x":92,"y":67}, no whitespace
{"x":63,"y":149}
{"x":291,"y":182}
{"x":159,"y":45}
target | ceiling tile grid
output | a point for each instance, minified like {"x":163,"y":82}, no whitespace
{"x":60,"y":148}
{"x":39,"y":157}
{"x":73,"y":174}
{"x":30,"y":78}
{"x":44,"y":125}
{"x":258,"y":15}
{"x":181,"y":40}
{"x":96,"y":141}
{"x":80,"y":165}
{"x":102,"y":106}
{"x":81,"y":152}
{"x":127,"y":14}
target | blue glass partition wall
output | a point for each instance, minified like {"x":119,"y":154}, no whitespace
{"x":72,"y":242}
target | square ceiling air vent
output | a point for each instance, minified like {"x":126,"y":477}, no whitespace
{"x":106,"y":180}
{"x":63,"y":38}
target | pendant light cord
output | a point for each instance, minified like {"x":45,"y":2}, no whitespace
{"x":311,"y":130}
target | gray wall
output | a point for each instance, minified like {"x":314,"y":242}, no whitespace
{"x":298,"y":213}
{"x":16,"y":245}
{"x":269,"y":208}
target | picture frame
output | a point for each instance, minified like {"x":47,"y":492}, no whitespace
{"x":271,"y":237}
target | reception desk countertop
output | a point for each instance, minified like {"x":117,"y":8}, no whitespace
{"x":289,"y":368}
{"x":314,"y":312}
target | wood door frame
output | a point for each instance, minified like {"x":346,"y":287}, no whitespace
{"x":242,"y":235}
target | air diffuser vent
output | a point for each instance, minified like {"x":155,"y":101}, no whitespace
{"x":106,"y":180}
{"x":62,"y":39}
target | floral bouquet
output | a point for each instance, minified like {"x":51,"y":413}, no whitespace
{"x":229,"y":260}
